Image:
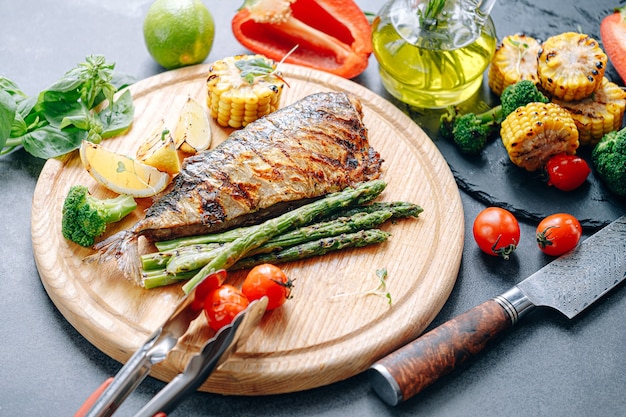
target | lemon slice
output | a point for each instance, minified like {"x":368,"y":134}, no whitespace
{"x":122,"y":174}
{"x":193,"y":131}
{"x":160,"y":151}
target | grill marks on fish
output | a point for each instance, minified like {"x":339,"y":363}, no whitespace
{"x":313,"y":147}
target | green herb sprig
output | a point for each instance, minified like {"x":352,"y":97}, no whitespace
{"x":79,"y":106}
{"x":430,"y":15}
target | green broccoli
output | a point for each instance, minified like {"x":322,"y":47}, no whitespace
{"x":85,"y":217}
{"x":470,"y":131}
{"x":609,"y":159}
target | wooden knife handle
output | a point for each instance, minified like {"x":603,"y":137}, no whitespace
{"x":410,"y":369}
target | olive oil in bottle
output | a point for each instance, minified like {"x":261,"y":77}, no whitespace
{"x":432,"y":64}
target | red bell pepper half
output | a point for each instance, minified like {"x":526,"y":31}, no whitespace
{"x":331,"y":35}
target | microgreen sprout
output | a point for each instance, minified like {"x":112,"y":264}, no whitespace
{"x":380,"y":290}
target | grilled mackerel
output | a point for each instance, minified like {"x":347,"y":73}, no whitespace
{"x":313,"y":147}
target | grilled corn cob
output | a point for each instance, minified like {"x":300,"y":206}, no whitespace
{"x":571,"y":66}
{"x":537,"y":131}
{"x":243,"y":88}
{"x":599,"y":114}
{"x":515,"y":59}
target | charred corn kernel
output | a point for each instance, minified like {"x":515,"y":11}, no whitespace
{"x":571,"y":66}
{"x":237,"y":97}
{"x":515,"y":59}
{"x":537,"y":131}
{"x":599,"y":114}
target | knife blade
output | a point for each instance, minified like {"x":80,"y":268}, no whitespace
{"x":569,"y":284}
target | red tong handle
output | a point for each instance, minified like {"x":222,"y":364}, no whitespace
{"x":82,"y":411}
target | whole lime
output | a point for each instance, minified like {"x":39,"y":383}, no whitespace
{"x":178,"y":32}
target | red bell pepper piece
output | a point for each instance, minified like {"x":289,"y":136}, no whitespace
{"x":332,"y":35}
{"x":613,"y":34}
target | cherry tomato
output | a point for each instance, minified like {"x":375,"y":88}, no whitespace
{"x":567,"y":172}
{"x":558,"y":233}
{"x":222,"y":305}
{"x":267,"y":280}
{"x":496,"y":231}
{"x":208,"y":284}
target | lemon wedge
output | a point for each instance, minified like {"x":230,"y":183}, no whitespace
{"x":193,"y":131}
{"x":122,"y":174}
{"x":160,"y":151}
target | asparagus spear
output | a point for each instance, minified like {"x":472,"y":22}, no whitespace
{"x":191,"y":257}
{"x":159,"y":260}
{"x":231,"y":252}
{"x":315,"y":248}
{"x":398,"y":209}
{"x":157,"y":278}
{"x":189,"y":260}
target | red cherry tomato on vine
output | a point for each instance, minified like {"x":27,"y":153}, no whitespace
{"x":496,"y":231}
{"x":567,"y":172}
{"x":558,"y":233}
{"x":267,"y":280}
{"x":222,"y":305}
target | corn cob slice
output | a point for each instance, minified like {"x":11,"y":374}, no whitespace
{"x":599,"y":114}
{"x":515,"y":59}
{"x":571,"y":66}
{"x":537,"y":131}
{"x":243,"y":88}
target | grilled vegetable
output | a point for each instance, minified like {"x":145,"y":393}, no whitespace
{"x":160,"y":277}
{"x":190,"y":260}
{"x":599,"y":114}
{"x":193,"y":253}
{"x":353,"y":216}
{"x":534,"y":133}
{"x":229,"y":254}
{"x":470,"y":131}
{"x":515,"y":59}
{"x":316,"y":248}
{"x":243,"y":88}
{"x":571,"y":66}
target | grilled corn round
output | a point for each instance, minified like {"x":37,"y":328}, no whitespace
{"x":238,"y":97}
{"x":515,"y":59}
{"x":571,"y":66}
{"x":599,"y":114}
{"x":535,"y":132}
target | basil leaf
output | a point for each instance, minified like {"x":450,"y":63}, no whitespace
{"x":118,"y":117}
{"x":8,"y":109}
{"x":55,"y":107}
{"x":50,"y":142}
{"x":253,"y":67}
{"x":68,"y":83}
{"x":10,"y":87}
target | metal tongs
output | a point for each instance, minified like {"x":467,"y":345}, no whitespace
{"x":107,"y":399}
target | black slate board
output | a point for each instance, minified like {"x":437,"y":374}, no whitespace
{"x":490,"y":177}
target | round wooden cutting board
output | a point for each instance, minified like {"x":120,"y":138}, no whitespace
{"x":330,"y":330}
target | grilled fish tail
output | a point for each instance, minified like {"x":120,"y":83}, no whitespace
{"x":122,"y":247}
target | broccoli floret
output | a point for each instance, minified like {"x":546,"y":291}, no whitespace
{"x":85,"y":217}
{"x":609,"y":159}
{"x":518,"y":95}
{"x":470,"y":131}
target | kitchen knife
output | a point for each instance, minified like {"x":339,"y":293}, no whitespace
{"x":569,"y":284}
